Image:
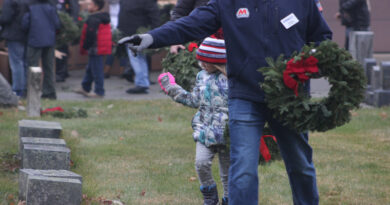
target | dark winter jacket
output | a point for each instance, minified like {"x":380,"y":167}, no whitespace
{"x":96,"y":37}
{"x":354,"y":14}
{"x":252,"y":32}
{"x":134,"y":14}
{"x":184,"y":7}
{"x":42,"y":23}
{"x":11,"y":20}
{"x":70,"y":7}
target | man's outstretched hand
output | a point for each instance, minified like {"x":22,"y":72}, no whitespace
{"x":138,"y":42}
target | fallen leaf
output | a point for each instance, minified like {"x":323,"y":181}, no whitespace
{"x":1,"y":113}
{"x":143,"y":193}
{"x":159,"y":119}
{"x":383,"y":115}
{"x":108,"y":202}
{"x":121,"y":138}
{"x":192,"y":179}
{"x":10,"y":197}
{"x":99,"y":112}
{"x":354,"y":114}
{"x":74,"y":133}
{"x":110,"y":106}
{"x":11,"y":203}
{"x":71,"y":163}
{"x":85,"y":196}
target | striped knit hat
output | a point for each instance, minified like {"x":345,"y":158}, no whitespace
{"x":212,"y":50}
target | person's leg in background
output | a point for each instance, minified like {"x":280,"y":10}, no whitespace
{"x":16,"y":54}
{"x":140,"y":67}
{"x":48,"y":89}
{"x":108,"y":65}
{"x":246,"y":122}
{"x":86,"y":83}
{"x":297,"y":156}
{"x":224,"y":162}
{"x":97,"y":74}
{"x":62,"y":64}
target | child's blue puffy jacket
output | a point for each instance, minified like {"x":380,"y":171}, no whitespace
{"x":252,"y":32}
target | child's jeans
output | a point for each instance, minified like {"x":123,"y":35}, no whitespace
{"x":203,"y":161}
{"x":94,"y":73}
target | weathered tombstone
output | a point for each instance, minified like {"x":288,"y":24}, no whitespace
{"x":40,"y":141}
{"x":361,"y":45}
{"x":369,"y":97}
{"x":51,"y":190}
{"x":368,"y":64}
{"x":41,"y":129}
{"x":25,"y":173}
{"x":376,"y":78}
{"x":34,"y":91}
{"x":385,"y":75}
{"x":7,"y":97}
{"x":45,"y":157}
{"x":381,"y":98}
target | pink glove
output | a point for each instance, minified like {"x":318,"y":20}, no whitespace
{"x":166,"y":79}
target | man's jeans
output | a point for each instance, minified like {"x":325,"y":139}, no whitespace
{"x":94,"y":74}
{"x":46,"y":54}
{"x":246,"y":122}
{"x":140,"y":67}
{"x":18,"y":64}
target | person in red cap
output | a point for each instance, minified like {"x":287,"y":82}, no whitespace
{"x":210,"y":96}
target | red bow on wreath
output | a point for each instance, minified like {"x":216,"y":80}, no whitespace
{"x":300,"y":69}
{"x":192,"y":46}
{"x":264,"y":151}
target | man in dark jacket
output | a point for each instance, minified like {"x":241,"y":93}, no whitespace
{"x":354,"y":15}
{"x":13,"y":33}
{"x":133,"y":15}
{"x":42,"y":23}
{"x":72,"y":8}
{"x":253,"y":30}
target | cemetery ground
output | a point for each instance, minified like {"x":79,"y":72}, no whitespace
{"x":142,"y":152}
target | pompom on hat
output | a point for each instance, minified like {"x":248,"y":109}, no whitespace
{"x":212,"y":50}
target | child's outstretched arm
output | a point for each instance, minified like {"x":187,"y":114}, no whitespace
{"x":177,"y":93}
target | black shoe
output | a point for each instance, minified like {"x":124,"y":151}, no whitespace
{"x":225,"y":201}
{"x":51,"y":96}
{"x":152,"y":82}
{"x":60,"y":79}
{"x":106,"y":75}
{"x":128,"y":77}
{"x":137,"y":90}
{"x":210,"y":195}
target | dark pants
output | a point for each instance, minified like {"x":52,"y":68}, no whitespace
{"x":62,"y":64}
{"x":94,"y":74}
{"x":45,"y":54}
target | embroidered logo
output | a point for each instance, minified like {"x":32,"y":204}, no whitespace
{"x":242,"y":13}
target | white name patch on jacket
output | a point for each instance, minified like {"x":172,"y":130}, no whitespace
{"x":289,"y":21}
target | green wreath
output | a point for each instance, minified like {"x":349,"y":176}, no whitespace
{"x":291,"y":104}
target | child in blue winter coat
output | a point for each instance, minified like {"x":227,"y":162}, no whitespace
{"x":210,"y":96}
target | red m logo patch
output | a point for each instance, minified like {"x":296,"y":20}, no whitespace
{"x":242,"y":13}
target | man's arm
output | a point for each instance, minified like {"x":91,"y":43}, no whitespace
{"x":8,"y":12}
{"x":182,"y":8}
{"x":317,"y":29}
{"x":201,"y":23}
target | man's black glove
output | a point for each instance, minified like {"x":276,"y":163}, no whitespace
{"x":138,"y":42}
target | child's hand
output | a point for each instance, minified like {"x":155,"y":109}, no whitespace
{"x":165,"y":80}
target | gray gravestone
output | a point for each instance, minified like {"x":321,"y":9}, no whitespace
{"x":53,"y":191}
{"x":25,"y":173}
{"x":368,"y":64}
{"x":41,"y":129}
{"x":361,"y":45}
{"x":40,"y":141}
{"x":381,"y":98}
{"x":369,"y":98}
{"x":376,"y":78}
{"x":45,"y":157}
{"x":7,"y":96}
{"x":385,"y":75}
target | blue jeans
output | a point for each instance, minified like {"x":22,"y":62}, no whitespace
{"x":18,"y":64}
{"x":110,"y":61}
{"x":94,"y":73}
{"x":140,"y":67}
{"x":246,"y":121}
